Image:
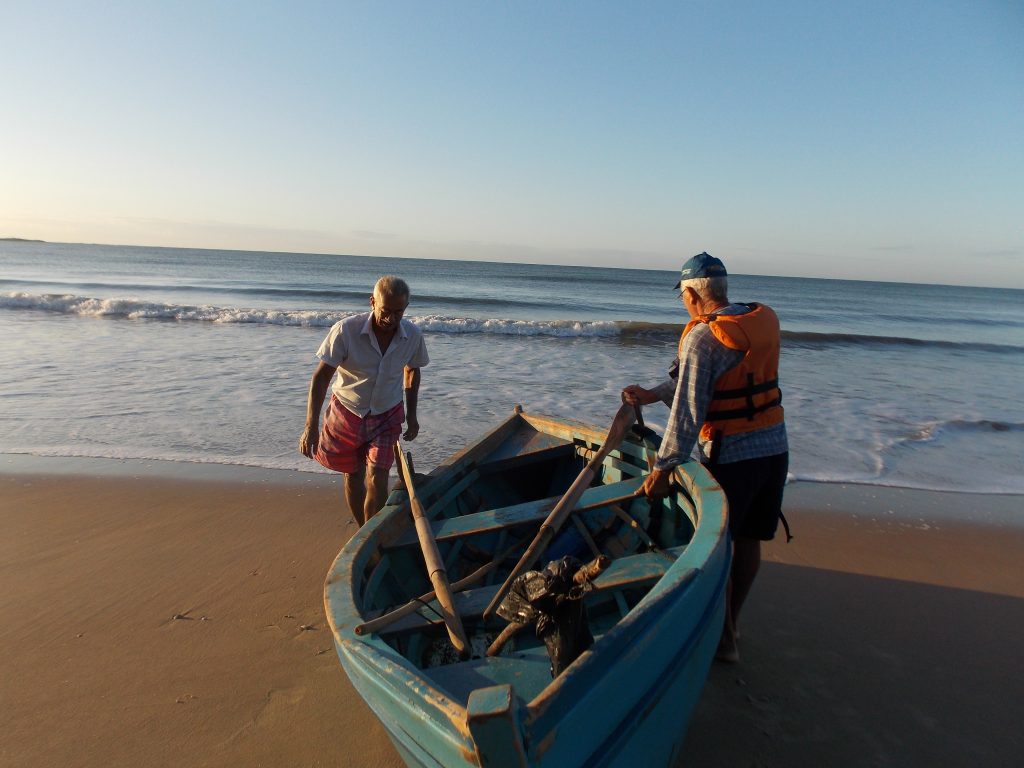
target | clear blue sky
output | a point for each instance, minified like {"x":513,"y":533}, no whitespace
{"x":874,"y":140}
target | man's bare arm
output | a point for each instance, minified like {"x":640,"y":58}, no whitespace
{"x":318,"y":384}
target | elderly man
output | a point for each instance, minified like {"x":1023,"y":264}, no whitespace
{"x":373,"y":354}
{"x":724,"y":393}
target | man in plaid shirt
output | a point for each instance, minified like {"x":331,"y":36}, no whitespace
{"x":725,"y":400}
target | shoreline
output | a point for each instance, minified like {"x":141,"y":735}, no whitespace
{"x":166,"y":469}
{"x":874,"y":502}
{"x":179,"y":620}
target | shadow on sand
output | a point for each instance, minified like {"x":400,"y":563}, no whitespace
{"x":840,"y":669}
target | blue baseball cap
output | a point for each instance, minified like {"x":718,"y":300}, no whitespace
{"x":701,"y":265}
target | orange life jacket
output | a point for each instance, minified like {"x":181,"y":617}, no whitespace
{"x":746,"y":397}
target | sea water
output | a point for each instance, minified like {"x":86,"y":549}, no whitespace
{"x":205,"y":356}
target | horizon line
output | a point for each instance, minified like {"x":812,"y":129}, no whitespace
{"x":487,"y":261}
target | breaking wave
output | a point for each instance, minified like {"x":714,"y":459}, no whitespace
{"x":933,"y":431}
{"x":813,"y":339}
{"x":133,"y":309}
{"x":277,"y":291}
{"x":136,"y":309}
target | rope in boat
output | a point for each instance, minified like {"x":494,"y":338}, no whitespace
{"x":425,"y":604}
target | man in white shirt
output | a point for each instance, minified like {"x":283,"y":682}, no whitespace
{"x":374,"y":354}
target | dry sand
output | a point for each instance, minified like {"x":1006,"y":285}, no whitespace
{"x":885,"y":634}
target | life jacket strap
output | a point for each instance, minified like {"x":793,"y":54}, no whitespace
{"x":755,"y":389}
{"x":743,"y":413}
{"x":785,"y":524}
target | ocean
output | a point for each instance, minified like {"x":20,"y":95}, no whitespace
{"x":205,"y":356}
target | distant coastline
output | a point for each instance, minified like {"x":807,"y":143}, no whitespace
{"x":19,"y":240}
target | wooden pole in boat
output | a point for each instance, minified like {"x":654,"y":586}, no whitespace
{"x":435,"y":565}
{"x":389,"y":618}
{"x":620,"y":424}
{"x":503,"y":637}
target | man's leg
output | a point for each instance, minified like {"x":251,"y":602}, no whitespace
{"x":746,"y":559}
{"x":355,"y":494}
{"x":727,"y":649}
{"x":760,"y":524}
{"x":377,"y":478}
{"x":754,"y":489}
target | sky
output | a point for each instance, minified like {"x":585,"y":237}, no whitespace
{"x":863,"y":140}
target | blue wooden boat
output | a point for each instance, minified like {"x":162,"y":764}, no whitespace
{"x":655,"y":613}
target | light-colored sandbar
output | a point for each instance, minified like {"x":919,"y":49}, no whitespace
{"x":871,"y":639}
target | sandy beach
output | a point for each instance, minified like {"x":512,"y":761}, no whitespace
{"x":157,"y":620}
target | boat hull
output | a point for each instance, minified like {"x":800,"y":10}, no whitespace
{"x":636,"y":716}
{"x":626,"y":701}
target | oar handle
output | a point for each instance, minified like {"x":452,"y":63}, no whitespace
{"x":639,"y":414}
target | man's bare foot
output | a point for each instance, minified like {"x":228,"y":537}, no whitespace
{"x":727,"y":652}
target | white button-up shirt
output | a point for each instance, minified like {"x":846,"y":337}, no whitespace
{"x":368,"y":381}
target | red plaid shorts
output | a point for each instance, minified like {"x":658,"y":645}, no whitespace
{"x":348,"y":442}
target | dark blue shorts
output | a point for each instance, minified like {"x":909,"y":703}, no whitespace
{"x":754,"y":490}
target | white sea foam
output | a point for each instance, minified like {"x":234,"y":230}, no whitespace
{"x":566,"y":328}
{"x":134,"y":309}
{"x":138,"y":309}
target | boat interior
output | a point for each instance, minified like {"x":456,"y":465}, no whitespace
{"x":489,"y":506}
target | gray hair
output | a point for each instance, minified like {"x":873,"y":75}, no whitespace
{"x":393,"y":286}
{"x":709,"y":288}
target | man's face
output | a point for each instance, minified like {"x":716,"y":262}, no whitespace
{"x":388,"y":310}
{"x":689,"y":298}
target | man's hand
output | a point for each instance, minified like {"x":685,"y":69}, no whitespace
{"x":309,"y":441}
{"x":634,"y":394}
{"x":412,"y":430}
{"x":656,"y":484}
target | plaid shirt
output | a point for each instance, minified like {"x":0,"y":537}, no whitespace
{"x":702,"y":360}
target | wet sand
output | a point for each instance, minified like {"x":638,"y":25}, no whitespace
{"x":149,"y":620}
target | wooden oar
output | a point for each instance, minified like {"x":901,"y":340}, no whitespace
{"x":435,"y":565}
{"x":620,"y":424}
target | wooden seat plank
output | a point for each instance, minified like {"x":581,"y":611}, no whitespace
{"x":516,"y":514}
{"x":525,"y":442}
{"x":438,"y":505}
{"x":525,"y":459}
